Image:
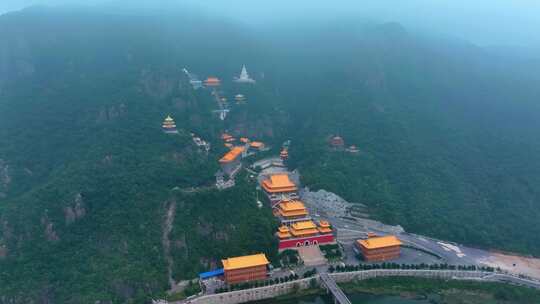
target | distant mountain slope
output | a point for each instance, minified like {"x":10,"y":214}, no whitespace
{"x":447,"y":133}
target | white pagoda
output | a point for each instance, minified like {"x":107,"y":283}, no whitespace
{"x":244,"y":77}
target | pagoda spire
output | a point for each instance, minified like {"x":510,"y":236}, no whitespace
{"x":244,"y":76}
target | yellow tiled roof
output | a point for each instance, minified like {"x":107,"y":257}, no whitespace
{"x":380,"y":242}
{"x":292,"y":205}
{"x":304,"y":232}
{"x":278,"y":183}
{"x":293,"y":213}
{"x":281,"y":180}
{"x":232,"y":155}
{"x":324,"y":223}
{"x":283,"y":235}
{"x":303,"y":225}
{"x":245,"y":261}
{"x":283,"y":228}
{"x":325,"y":230}
{"x":256,"y":144}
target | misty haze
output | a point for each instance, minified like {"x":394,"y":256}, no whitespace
{"x":269,"y":152}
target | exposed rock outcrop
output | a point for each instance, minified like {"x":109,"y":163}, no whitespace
{"x":157,"y":85}
{"x":110,"y":113}
{"x":3,"y":250}
{"x":166,"y":242}
{"x":48,"y":229}
{"x":5,"y":177}
{"x":75,"y":211}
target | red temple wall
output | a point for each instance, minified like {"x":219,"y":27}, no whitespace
{"x":312,"y":240}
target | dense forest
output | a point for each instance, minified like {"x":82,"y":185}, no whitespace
{"x":446,"y":131}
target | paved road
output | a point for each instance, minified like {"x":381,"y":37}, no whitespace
{"x":330,"y":284}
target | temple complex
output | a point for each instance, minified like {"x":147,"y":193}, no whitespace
{"x":244,"y":77}
{"x":169,"y":126}
{"x":230,"y":162}
{"x":379,"y":248}
{"x":212,"y":82}
{"x":245,"y":268}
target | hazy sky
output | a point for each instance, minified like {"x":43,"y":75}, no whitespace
{"x":485,"y":22}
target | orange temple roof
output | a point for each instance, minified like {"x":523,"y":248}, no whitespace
{"x":245,"y":261}
{"x":284,"y":235}
{"x":303,"y":225}
{"x":380,"y":242}
{"x":304,"y":228}
{"x":232,"y":155}
{"x":283,"y":229}
{"x":278,"y":183}
{"x":292,"y":205}
{"x":324,"y":224}
{"x":284,"y":232}
{"x":292,"y":208}
{"x":225,"y":136}
{"x":244,"y":140}
{"x":324,"y":227}
{"x":304,"y":232}
{"x":324,"y":230}
{"x":293,"y":213}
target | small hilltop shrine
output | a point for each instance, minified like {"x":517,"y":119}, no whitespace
{"x":228,"y":138}
{"x":212,"y":82}
{"x":244,"y":77}
{"x":336,"y":142}
{"x":239,"y":98}
{"x":353,"y":149}
{"x":169,"y":126}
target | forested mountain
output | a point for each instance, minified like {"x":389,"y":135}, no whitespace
{"x":447,"y":134}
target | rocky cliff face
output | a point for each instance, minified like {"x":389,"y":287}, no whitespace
{"x":5,"y":178}
{"x":157,"y":85}
{"x":48,"y":229}
{"x":76,"y":210}
{"x":110,"y":113}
